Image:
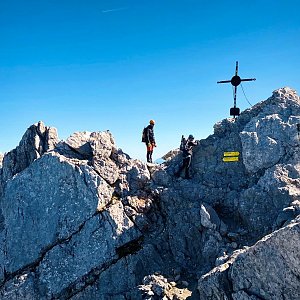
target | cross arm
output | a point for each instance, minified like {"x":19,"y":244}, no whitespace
{"x":224,"y":81}
{"x":248,"y":79}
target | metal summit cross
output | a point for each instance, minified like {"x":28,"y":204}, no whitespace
{"x":235,"y":81}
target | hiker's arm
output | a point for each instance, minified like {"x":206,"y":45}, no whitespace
{"x":147,"y":137}
{"x":152,"y":139}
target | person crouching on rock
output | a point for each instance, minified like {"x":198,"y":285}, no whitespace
{"x":187,"y":151}
{"x":150,"y":140}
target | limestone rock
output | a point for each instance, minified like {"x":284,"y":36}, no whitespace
{"x":106,"y":168}
{"x":130,"y":270}
{"x":287,"y":215}
{"x":171,"y":154}
{"x":80,"y":142}
{"x":80,"y":219}
{"x":158,"y":286}
{"x":64,"y":217}
{"x":209,"y":217}
{"x":268,"y":270}
{"x":241,"y":295}
{"x":33,"y":199}
{"x":37,"y":140}
{"x":222,"y":259}
{"x":87,"y":251}
{"x":20,"y":287}
{"x":134,"y":175}
{"x":92,"y":143}
{"x":160,"y":175}
{"x":270,"y":134}
{"x":271,"y":268}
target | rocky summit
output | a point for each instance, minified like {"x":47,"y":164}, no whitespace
{"x":80,"y":219}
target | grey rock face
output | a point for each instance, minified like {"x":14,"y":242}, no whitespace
{"x":266,"y":173}
{"x":130,"y":271}
{"x":63,"y":223}
{"x":281,"y":272}
{"x":251,"y":197}
{"x":37,"y":140}
{"x":87,"y":251}
{"x":80,"y":219}
{"x":47,"y":203}
{"x":272,"y":132}
{"x":171,"y":154}
{"x":92,"y":143}
{"x":268,"y":270}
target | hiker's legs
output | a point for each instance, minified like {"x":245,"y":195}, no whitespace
{"x":149,"y":153}
{"x":187,"y":164}
{"x":183,"y":166}
{"x":180,"y":170}
{"x":148,"y":156}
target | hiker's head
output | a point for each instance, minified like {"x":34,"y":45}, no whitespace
{"x":191,"y":137}
{"x":152,"y":122}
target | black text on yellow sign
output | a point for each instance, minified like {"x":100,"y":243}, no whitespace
{"x":231,"y":156}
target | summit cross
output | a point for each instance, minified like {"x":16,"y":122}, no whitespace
{"x":235,"y":81}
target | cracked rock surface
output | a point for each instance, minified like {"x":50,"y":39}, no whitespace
{"x":270,"y":269}
{"x":80,"y":219}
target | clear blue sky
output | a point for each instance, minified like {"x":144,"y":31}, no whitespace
{"x":96,"y":65}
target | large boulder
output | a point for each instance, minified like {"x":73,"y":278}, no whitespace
{"x":268,"y":270}
{"x":92,"y":143}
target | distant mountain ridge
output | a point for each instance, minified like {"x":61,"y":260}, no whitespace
{"x":80,"y":219}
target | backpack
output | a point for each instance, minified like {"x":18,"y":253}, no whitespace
{"x":144,"y":134}
{"x":183,"y":143}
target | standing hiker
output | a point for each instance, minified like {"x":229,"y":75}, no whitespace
{"x":149,"y":140}
{"x":187,"y":150}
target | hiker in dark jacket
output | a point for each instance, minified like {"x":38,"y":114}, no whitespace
{"x":187,"y":153}
{"x":150,"y":140}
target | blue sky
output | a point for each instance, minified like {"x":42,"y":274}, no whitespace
{"x":96,"y":65}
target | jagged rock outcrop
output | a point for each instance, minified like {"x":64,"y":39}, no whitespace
{"x":250,"y":200}
{"x":64,"y":224}
{"x":37,"y":140}
{"x":80,"y":219}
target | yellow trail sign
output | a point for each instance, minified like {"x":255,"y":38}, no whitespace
{"x":230,"y":158}
{"x":231,"y":154}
